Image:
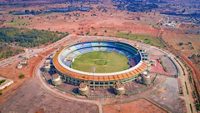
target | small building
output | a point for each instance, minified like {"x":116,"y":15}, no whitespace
{"x":47,"y":67}
{"x":5,"y":83}
{"x":119,"y":89}
{"x":146,"y":78}
{"x":47,"y":64}
{"x":47,"y":61}
{"x":56,"y":79}
{"x":23,"y":62}
{"x":83,"y":89}
{"x":19,"y":66}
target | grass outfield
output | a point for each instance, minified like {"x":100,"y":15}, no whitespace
{"x":100,"y":62}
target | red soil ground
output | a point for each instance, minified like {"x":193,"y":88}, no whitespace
{"x":11,"y":72}
{"x":138,"y":106}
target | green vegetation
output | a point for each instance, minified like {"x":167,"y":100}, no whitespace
{"x":2,"y":81}
{"x":25,"y":38}
{"x":197,"y":104}
{"x":100,"y":62}
{"x":21,"y":76}
{"x":18,"y":22}
{"x":7,"y":51}
{"x":143,"y":38}
{"x":29,"y":37}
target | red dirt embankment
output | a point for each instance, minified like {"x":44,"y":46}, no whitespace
{"x":195,"y":73}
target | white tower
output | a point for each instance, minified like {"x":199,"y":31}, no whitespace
{"x":146,"y":78}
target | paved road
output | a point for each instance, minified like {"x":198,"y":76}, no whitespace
{"x":186,"y":87}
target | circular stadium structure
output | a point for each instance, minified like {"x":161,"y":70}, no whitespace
{"x":64,"y":59}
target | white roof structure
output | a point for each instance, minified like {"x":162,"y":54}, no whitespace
{"x":6,"y":83}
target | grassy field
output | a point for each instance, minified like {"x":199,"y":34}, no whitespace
{"x":18,"y":22}
{"x":100,"y":62}
{"x":143,"y":38}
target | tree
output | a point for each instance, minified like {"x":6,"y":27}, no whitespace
{"x":180,"y":43}
{"x":21,"y":76}
{"x":27,"y":11}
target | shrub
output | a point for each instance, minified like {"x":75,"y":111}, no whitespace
{"x":21,"y":76}
{"x":2,"y":81}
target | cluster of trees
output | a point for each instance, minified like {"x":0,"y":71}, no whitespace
{"x":7,"y":51}
{"x":29,"y":37}
{"x":26,"y":12}
{"x":26,"y":38}
{"x":32,"y":12}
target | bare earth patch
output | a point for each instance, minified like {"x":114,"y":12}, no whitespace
{"x":138,"y":106}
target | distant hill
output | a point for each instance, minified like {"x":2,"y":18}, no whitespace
{"x":101,"y":1}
